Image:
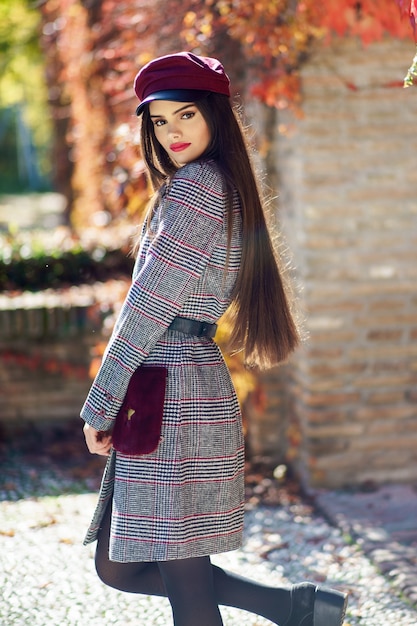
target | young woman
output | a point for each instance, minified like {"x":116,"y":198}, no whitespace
{"x":204,"y":249}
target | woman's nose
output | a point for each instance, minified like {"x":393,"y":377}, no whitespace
{"x":173,"y":130}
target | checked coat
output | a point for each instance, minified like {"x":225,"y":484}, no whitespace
{"x":185,"y":499}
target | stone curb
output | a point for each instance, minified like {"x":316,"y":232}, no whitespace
{"x":395,"y":560}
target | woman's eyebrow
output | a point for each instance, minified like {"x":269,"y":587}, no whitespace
{"x":178,"y":110}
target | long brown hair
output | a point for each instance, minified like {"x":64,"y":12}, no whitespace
{"x":262,"y":321}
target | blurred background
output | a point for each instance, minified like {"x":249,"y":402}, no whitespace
{"x":335,"y":142}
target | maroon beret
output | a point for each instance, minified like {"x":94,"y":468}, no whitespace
{"x":181,"y":77}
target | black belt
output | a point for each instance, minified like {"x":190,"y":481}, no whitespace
{"x":193,"y":327}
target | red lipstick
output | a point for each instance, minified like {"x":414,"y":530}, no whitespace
{"x":178,"y":147}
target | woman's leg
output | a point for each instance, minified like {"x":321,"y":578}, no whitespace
{"x":195,"y":588}
{"x":190,"y":588}
{"x":271,"y":602}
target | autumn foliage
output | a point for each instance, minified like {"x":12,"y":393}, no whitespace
{"x":95,"y":47}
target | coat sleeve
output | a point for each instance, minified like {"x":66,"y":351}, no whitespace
{"x":191,"y":225}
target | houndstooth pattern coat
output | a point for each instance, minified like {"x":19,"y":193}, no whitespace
{"x":185,"y":499}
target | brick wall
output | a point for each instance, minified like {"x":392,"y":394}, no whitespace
{"x":44,"y":364}
{"x":50,"y":344}
{"x":348,"y":203}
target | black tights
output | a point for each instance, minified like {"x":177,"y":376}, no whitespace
{"x":194,"y":587}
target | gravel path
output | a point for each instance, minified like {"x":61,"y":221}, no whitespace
{"x":47,"y":577}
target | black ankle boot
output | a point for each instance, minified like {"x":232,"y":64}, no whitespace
{"x":316,"y":606}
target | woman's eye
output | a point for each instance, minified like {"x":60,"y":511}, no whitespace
{"x":188,"y":115}
{"x":159,"y":122}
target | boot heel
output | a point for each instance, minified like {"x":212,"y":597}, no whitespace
{"x":329,"y":607}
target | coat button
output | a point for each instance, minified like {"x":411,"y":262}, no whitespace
{"x":102,"y":412}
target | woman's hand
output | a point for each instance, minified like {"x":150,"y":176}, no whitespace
{"x":98,"y":442}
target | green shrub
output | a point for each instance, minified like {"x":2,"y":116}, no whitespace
{"x":30,"y":264}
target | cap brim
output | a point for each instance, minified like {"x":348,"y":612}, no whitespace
{"x":176,"y":95}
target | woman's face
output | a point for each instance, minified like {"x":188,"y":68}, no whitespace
{"x":181,"y":129}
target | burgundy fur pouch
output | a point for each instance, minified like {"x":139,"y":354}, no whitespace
{"x":137,"y":428}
